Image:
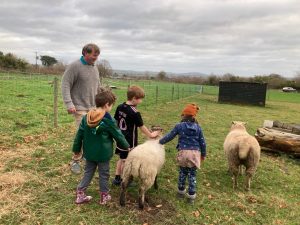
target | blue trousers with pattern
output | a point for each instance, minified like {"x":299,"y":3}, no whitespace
{"x":190,"y":173}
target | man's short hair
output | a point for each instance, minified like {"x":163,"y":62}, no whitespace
{"x":104,"y":96}
{"x":135,"y":91}
{"x":88,"y":48}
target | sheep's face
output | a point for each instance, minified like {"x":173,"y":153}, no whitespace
{"x":157,"y":128}
{"x":238,"y":125}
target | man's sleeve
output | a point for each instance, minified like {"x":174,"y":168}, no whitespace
{"x":66,"y":85}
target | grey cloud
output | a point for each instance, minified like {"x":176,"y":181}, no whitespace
{"x":244,"y":37}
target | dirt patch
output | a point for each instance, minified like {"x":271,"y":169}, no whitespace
{"x":156,"y":210}
{"x":12,"y":194}
{"x":20,"y":152}
{"x":12,"y":199}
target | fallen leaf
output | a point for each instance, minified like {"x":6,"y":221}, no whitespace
{"x":210,"y":197}
{"x":28,"y":139}
{"x":278,"y":222}
{"x":251,"y":199}
{"x":240,"y":206}
{"x":58,"y":218}
{"x":196,"y":213}
{"x":282,"y":205}
{"x":158,"y":206}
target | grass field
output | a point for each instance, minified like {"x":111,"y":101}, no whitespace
{"x":36,"y":186}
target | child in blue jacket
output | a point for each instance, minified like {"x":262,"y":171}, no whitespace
{"x":191,"y":150}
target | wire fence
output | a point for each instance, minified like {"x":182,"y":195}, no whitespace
{"x":30,"y":100}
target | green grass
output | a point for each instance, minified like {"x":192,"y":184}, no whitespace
{"x":36,"y":185}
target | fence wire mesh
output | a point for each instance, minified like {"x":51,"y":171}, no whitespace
{"x":28,"y":100}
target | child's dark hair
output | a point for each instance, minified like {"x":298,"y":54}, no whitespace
{"x":135,"y":91}
{"x":188,"y":118}
{"x":104,"y":96}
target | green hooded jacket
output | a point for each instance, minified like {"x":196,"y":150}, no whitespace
{"x":96,"y":134}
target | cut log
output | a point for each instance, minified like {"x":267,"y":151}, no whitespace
{"x":278,"y":140}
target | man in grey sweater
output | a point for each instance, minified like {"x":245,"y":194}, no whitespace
{"x":79,"y":86}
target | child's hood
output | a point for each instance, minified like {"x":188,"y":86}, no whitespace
{"x":190,"y":127}
{"x":94,"y":116}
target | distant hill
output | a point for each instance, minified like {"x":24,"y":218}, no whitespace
{"x":153,"y":74}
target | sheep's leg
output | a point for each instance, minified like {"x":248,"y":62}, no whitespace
{"x":234,"y":180}
{"x":248,"y":181}
{"x":155,"y":183}
{"x":249,"y":172}
{"x":124,"y":186}
{"x":123,"y":194}
{"x":234,"y":170}
{"x":241,"y":170}
{"x":141,"y":197}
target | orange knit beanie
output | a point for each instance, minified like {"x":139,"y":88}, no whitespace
{"x":190,"y":110}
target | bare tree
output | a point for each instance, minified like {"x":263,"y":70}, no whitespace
{"x":104,"y":68}
{"x":162,"y":75}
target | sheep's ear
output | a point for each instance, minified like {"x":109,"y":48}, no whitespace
{"x":244,"y":123}
{"x":233,"y":122}
{"x":156,"y":128}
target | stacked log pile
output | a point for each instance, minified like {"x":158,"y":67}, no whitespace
{"x":276,"y":136}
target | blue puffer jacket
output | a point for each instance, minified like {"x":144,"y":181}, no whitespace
{"x":190,"y":137}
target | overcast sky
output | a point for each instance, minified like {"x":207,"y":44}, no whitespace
{"x":243,"y":37}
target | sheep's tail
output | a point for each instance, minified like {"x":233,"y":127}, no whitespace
{"x":244,"y":150}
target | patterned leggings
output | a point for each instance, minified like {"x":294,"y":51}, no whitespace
{"x":191,"y":174}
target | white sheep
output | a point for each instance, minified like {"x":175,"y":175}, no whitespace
{"x":144,"y":162}
{"x":241,"y":149}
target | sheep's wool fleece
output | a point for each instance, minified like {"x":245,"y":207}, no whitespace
{"x":148,"y":159}
{"x":239,"y":138}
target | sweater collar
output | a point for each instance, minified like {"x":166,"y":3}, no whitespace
{"x":83,"y":60}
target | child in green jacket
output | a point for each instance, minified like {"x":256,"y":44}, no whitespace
{"x":95,"y":134}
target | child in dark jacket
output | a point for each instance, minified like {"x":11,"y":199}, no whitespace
{"x":191,"y":150}
{"x":96,"y":133}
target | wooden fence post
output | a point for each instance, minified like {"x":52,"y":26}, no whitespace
{"x":156,"y":97}
{"x":55,"y":105}
{"x":173,"y":92}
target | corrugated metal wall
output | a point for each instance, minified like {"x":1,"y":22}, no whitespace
{"x":243,"y":93}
